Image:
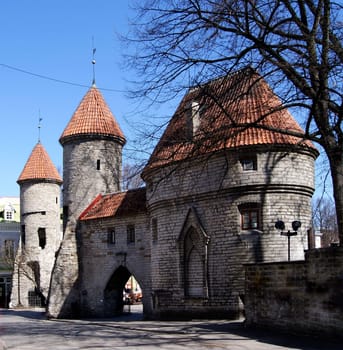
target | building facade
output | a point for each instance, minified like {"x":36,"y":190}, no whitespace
{"x":222,"y":174}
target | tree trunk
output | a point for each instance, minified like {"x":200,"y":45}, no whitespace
{"x":336,"y":165}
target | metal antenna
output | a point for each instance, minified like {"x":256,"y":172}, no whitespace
{"x":39,"y":125}
{"x":93,"y":61}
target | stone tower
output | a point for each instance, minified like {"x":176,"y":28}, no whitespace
{"x":215,"y":189}
{"x":92,"y":164}
{"x":40,"y":229}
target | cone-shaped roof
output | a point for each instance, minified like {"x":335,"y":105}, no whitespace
{"x":92,"y":118}
{"x":39,"y":167}
{"x":235,"y":111}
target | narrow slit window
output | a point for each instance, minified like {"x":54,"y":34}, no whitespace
{"x":131,"y":235}
{"x":98,"y":164}
{"x":154,"y":230}
{"x":42,"y":237}
{"x":23,"y":235}
{"x":111,"y":236}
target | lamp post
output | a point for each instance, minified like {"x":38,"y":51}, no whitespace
{"x":280,"y":225}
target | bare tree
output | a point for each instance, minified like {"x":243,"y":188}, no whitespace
{"x":296,"y":45}
{"x":324,"y":219}
{"x":131,"y":176}
{"x":28,"y":269}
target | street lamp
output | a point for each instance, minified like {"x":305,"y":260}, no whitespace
{"x":280,"y":225}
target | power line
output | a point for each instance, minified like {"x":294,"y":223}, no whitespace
{"x":53,"y":79}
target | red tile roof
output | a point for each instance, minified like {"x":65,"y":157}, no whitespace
{"x":236,"y":111}
{"x":116,"y":204}
{"x":92,"y":117}
{"x":39,"y":167}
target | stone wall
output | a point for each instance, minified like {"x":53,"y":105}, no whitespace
{"x":214,"y":189}
{"x":101,"y":259}
{"x":40,"y":210}
{"x":301,"y":297}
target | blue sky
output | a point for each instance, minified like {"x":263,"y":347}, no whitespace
{"x":54,"y":39}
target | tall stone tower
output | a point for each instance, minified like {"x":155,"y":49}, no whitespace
{"x":92,"y":164}
{"x":40,"y":229}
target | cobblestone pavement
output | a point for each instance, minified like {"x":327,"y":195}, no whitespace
{"x":28,"y":329}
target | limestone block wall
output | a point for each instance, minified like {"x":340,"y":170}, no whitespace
{"x":41,"y":232}
{"x":282,"y":171}
{"x":302,"y":297}
{"x":215,"y":190}
{"x":90,"y":167}
{"x":100,"y":259}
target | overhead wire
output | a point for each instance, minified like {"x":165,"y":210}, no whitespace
{"x":41,"y":76}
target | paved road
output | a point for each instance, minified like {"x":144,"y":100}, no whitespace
{"x":28,"y":330}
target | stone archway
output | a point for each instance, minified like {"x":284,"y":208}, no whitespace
{"x":113,"y":293}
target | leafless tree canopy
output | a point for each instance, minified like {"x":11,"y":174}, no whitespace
{"x":295,"y":44}
{"x":324,"y":220}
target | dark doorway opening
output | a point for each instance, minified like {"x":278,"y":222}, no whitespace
{"x":122,"y":294}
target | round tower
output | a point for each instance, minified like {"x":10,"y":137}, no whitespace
{"x":40,"y":229}
{"x":233,"y":165}
{"x":92,"y":165}
{"x":92,"y":155}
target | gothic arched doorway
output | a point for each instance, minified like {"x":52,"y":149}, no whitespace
{"x":120,"y":291}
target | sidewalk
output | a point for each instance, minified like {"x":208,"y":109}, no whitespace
{"x":28,"y":330}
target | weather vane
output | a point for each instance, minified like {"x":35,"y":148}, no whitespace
{"x":39,"y":125}
{"x":93,"y":60}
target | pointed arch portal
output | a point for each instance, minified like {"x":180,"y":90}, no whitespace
{"x":114,"y":299}
{"x":193,"y":243}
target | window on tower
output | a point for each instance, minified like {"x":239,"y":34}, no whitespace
{"x":98,"y":164}
{"x":42,"y":237}
{"x":250,"y":216}
{"x":23,"y":235}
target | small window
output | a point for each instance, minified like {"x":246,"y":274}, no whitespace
{"x":249,"y":163}
{"x":250,"y":217}
{"x":9,"y":215}
{"x":154,"y":230}
{"x":111,"y":236}
{"x":131,"y":234}
{"x":98,"y":164}
{"x":23,"y":235}
{"x":42,"y":237}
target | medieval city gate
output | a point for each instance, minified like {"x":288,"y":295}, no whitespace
{"x":114,"y":299}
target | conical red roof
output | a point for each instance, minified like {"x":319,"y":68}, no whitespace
{"x":92,"y":118}
{"x":236,"y":111}
{"x":39,"y":167}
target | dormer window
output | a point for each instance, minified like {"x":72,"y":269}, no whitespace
{"x":193,"y":119}
{"x":9,"y":212}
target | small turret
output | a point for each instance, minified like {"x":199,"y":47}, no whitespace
{"x":40,"y":229}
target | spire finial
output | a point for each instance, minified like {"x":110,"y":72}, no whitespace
{"x":39,"y":125}
{"x":93,"y":61}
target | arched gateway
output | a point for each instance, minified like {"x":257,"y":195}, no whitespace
{"x":121,"y":289}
